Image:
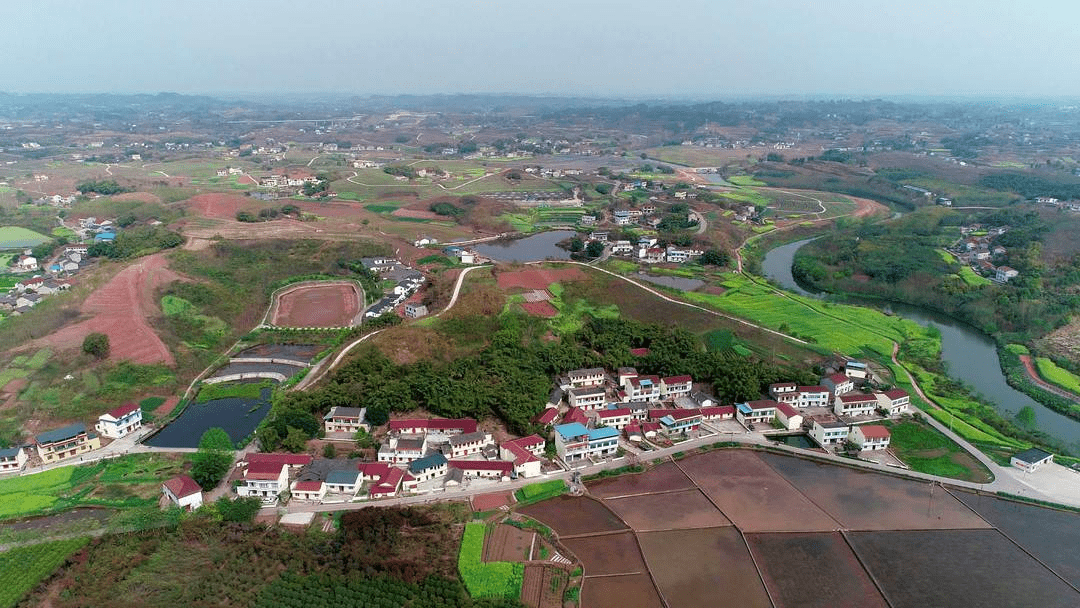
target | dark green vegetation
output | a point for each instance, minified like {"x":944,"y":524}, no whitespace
{"x":224,"y":390}
{"x":901,"y":260}
{"x":96,"y":345}
{"x":136,"y":241}
{"x":102,"y":186}
{"x":380,"y":557}
{"x":510,"y":376}
{"x":925,"y":449}
{"x":540,"y":491}
{"x":212,"y":461}
{"x":487,"y":579}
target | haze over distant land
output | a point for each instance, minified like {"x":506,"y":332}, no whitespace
{"x":677,"y":48}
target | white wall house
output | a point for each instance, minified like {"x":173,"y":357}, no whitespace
{"x":855,"y":404}
{"x":1030,"y":460}
{"x":12,"y":459}
{"x":183,"y":492}
{"x":870,"y":437}
{"x":830,"y":432}
{"x":119,"y":422}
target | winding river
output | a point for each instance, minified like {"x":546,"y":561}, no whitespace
{"x":971,"y":356}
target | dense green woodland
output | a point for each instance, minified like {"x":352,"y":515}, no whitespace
{"x":900,"y":260}
{"x":511,"y":376}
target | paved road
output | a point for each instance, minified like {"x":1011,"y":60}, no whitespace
{"x":703,"y":224}
{"x":1033,"y":375}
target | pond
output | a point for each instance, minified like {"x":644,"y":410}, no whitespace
{"x":238,"y":416}
{"x":971,"y":356}
{"x":533,"y":248}
{"x":798,"y":440}
{"x":681,"y":283}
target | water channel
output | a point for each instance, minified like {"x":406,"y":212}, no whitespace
{"x":971,"y":355}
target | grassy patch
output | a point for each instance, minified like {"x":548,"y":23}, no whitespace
{"x":971,"y":278}
{"x":226,"y":390}
{"x":487,"y":579}
{"x":537,"y":492}
{"x":927,"y":450}
{"x":17,"y":237}
{"x":1053,"y":374}
{"x":745,"y":180}
{"x":382,"y":207}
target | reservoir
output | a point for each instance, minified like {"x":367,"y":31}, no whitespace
{"x":970,"y":355}
{"x":237,"y":416}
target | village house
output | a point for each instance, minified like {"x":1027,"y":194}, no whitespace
{"x":587,"y":398}
{"x":652,"y":255}
{"x":67,"y":442}
{"x":855,"y":404}
{"x":1031,"y":459}
{"x":12,"y":459}
{"x":893,"y":402}
{"x":575,"y":414}
{"x":717,"y":412}
{"x":838,"y":384}
{"x":622,"y":248}
{"x":616,"y":418}
{"x":598,"y":236}
{"x":403,"y":449}
{"x":856,"y":369}
{"x":828,"y":432}
{"x":487,"y":469}
{"x":415,"y":310}
{"x":547,"y":417}
{"x":783,"y":392}
{"x":587,"y":220}
{"x":582,"y":378}
{"x":346,"y":420}
{"x":675,"y":422}
{"x":753,"y":412}
{"x":575,"y":442}
{"x":183,"y":492}
{"x":1004,"y":273}
{"x":314,"y":490}
{"x":676,"y":386}
{"x":870,"y":437}
{"x":469,"y":443}
{"x":343,"y":482}
{"x":267,"y":475}
{"x":788,"y":416}
{"x":641,"y":389}
{"x":525,"y":453}
{"x":428,"y":468}
{"x":433,"y":426}
{"x":26,"y":263}
{"x":119,"y":422}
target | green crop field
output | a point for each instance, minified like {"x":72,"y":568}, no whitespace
{"x":744,"y":180}
{"x":129,"y":481}
{"x":971,"y":278}
{"x":487,"y":579}
{"x":543,"y":490}
{"x":383,"y":207}
{"x":1056,"y":375}
{"x":16,"y":237}
{"x":927,"y":450}
{"x":22,"y":568}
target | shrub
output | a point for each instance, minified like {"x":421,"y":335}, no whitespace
{"x":96,"y":344}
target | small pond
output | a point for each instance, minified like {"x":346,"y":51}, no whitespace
{"x":535,"y":248}
{"x":239,"y":417}
{"x":798,"y":440}
{"x":681,"y":283}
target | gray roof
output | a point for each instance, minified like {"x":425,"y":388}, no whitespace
{"x":427,"y":462}
{"x":467,"y":438}
{"x":342,"y":477}
{"x":345,"y":412}
{"x":9,"y":452}
{"x":410,"y":444}
{"x":1032,"y":455}
{"x":68,"y":432}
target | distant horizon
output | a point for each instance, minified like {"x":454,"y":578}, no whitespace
{"x":688,"y":49}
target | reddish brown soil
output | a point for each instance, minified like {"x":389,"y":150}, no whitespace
{"x":706,"y":568}
{"x":120,"y":309}
{"x":532,"y":587}
{"x":536,"y":278}
{"x":607,"y":554}
{"x":862,"y":500}
{"x":540,"y":309}
{"x":418,"y":214}
{"x":317,"y":306}
{"x":754,"y":496}
{"x":665,"y":477}
{"x":1034,"y":376}
{"x":166,"y":406}
{"x":543,"y":586}
{"x":827,"y":574}
{"x":572,"y":516}
{"x":668,"y":511}
{"x":16,"y":385}
{"x":144,"y":197}
{"x":220,"y":205}
{"x":508,"y":544}
{"x":488,"y":502}
{"x":620,"y":592}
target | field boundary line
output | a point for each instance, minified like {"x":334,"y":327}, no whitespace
{"x":757,"y":566}
{"x":649,"y":569}
{"x":615,"y":574}
{"x":866,"y":569}
{"x":271,"y":309}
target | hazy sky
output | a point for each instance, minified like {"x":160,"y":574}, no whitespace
{"x":675,"y":48}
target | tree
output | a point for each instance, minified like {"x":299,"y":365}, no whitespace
{"x":241,"y":510}
{"x":576,"y":244}
{"x":364,"y":440}
{"x":594,"y":249}
{"x":213,"y":458}
{"x":713,"y":257}
{"x":329,"y":451}
{"x":96,"y":344}
{"x":295,"y":440}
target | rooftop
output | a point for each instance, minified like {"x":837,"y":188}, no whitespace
{"x":123,"y":410}
{"x":427,"y":462}
{"x":341,"y":477}
{"x":68,"y":432}
{"x":874,"y":431}
{"x":182,"y":486}
{"x":1032,"y":455}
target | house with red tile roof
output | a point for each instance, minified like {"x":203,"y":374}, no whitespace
{"x":839,"y":384}
{"x":183,"y":492}
{"x":547,"y":417}
{"x":314,"y":491}
{"x":788,"y":416}
{"x":676,"y":386}
{"x":616,"y":417}
{"x":267,"y":475}
{"x":119,"y":422}
{"x":894,"y":402}
{"x":575,"y":414}
{"x":443,"y":426}
{"x":718,"y":412}
{"x":855,"y":404}
{"x":525,"y":454}
{"x":870,"y":436}
{"x":635,"y":431}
